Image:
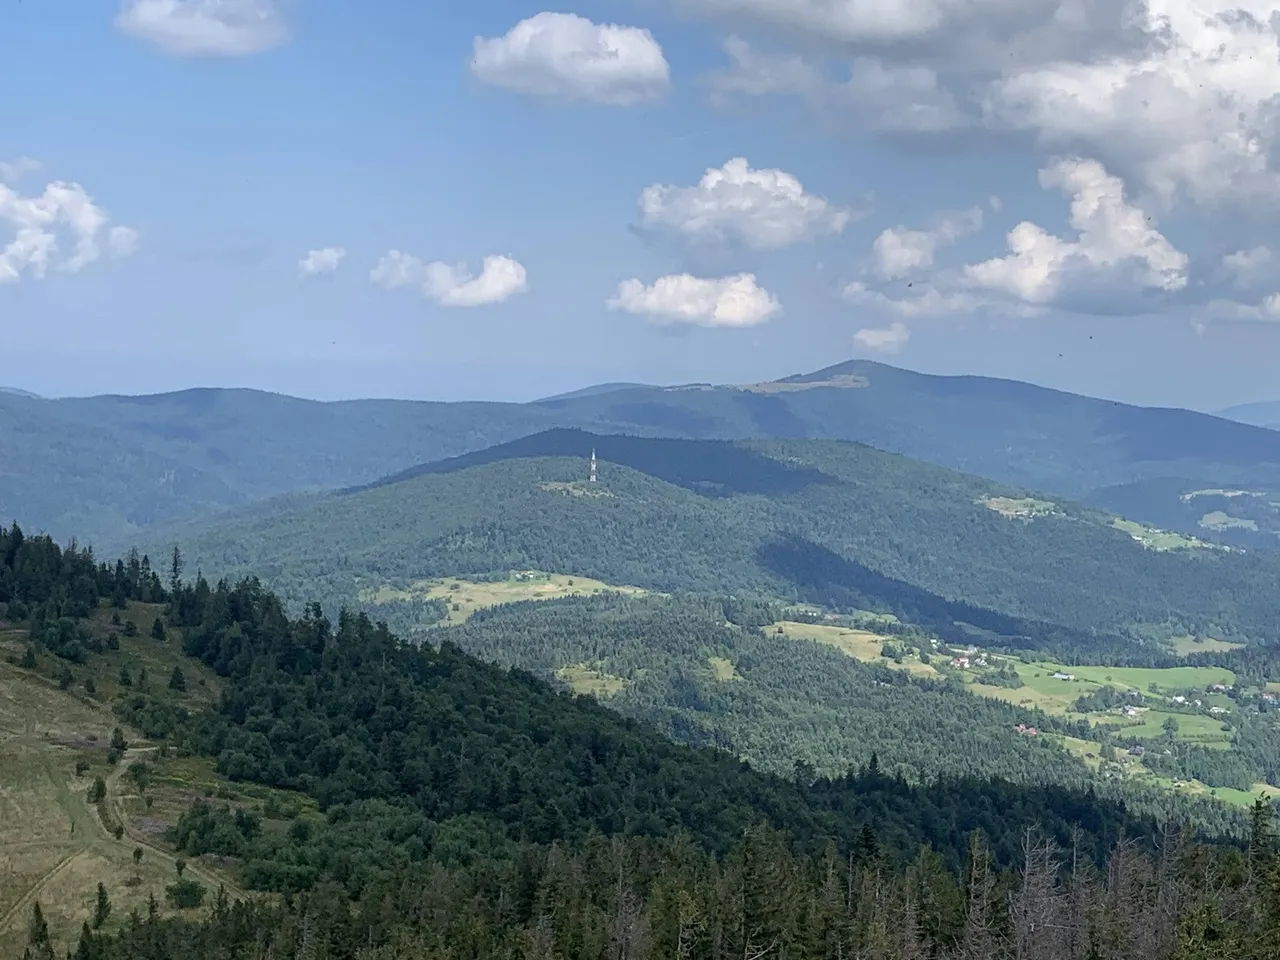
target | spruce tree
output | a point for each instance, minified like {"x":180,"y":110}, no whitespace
{"x":101,"y":908}
{"x":175,"y":570}
{"x":39,"y":946}
{"x":87,"y":948}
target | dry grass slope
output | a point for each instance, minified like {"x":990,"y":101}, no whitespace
{"x":55,"y":846}
{"x":465,"y":597}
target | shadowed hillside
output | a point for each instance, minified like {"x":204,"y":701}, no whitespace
{"x":838,"y":524}
{"x":108,"y":469}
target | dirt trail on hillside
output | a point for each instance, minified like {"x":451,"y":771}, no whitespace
{"x":194,"y":868}
{"x":87,"y":825}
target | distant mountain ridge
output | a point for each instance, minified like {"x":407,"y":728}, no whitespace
{"x":1265,"y":413}
{"x":113,"y":468}
{"x":596,"y":390}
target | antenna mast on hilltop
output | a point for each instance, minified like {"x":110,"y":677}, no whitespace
{"x":593,"y":464}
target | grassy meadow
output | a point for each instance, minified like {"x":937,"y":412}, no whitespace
{"x":465,"y":597}
{"x":56,"y":845}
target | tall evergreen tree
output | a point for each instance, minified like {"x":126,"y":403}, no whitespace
{"x":175,"y":570}
{"x":39,"y":946}
{"x":101,"y":907}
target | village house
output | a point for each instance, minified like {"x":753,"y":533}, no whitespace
{"x":1064,"y":676}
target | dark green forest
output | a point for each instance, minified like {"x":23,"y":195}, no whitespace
{"x":800,"y":702}
{"x":837,"y":524}
{"x":469,"y":810}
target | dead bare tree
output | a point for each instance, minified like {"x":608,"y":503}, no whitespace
{"x":1037,"y":914}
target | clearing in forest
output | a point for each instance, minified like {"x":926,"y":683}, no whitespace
{"x":1132,"y":770}
{"x":1186,"y":645}
{"x":1043,"y":687}
{"x":465,"y":597}
{"x":862,"y":645}
{"x":724,"y":669}
{"x":589,"y":680}
{"x":1160,"y":540}
{"x":1024,"y":508}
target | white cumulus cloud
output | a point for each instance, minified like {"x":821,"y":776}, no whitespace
{"x":871,"y":91}
{"x":1246,"y":265}
{"x":733,"y":301}
{"x":62,"y":219}
{"x":884,"y":23}
{"x":763,"y":209}
{"x":321,"y":262}
{"x":1178,"y":98}
{"x":11,"y":171}
{"x":1116,"y":245}
{"x":211,"y":28}
{"x":566,"y":56}
{"x":888,"y":339}
{"x":1190,"y":114}
{"x":1266,"y":310}
{"x":927,"y":302}
{"x":122,"y":242}
{"x":452,"y":285}
{"x":899,"y":251}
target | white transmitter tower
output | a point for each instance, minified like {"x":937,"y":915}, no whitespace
{"x":593,"y":465}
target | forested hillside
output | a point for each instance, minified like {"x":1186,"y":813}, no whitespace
{"x":108,"y":469}
{"x":836,"y":524}
{"x":716,"y":673}
{"x":463,"y":810}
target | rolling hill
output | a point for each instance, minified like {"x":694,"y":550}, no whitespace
{"x":837,"y":524}
{"x":418,"y":775}
{"x":110,"y":469}
{"x":1265,"y":413}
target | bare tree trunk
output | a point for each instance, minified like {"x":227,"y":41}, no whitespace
{"x":912,"y":946}
{"x":1039,"y":932}
{"x":1081,"y":901}
{"x":979,"y":940}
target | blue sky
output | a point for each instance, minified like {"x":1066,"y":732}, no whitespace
{"x":170,"y":165}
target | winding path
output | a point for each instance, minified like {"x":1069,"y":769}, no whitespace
{"x":93,"y":830}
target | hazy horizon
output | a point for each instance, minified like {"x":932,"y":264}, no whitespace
{"x":572,"y":387}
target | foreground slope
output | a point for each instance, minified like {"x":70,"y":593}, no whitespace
{"x":110,"y":468}
{"x":423,"y":769}
{"x":841,"y":525}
